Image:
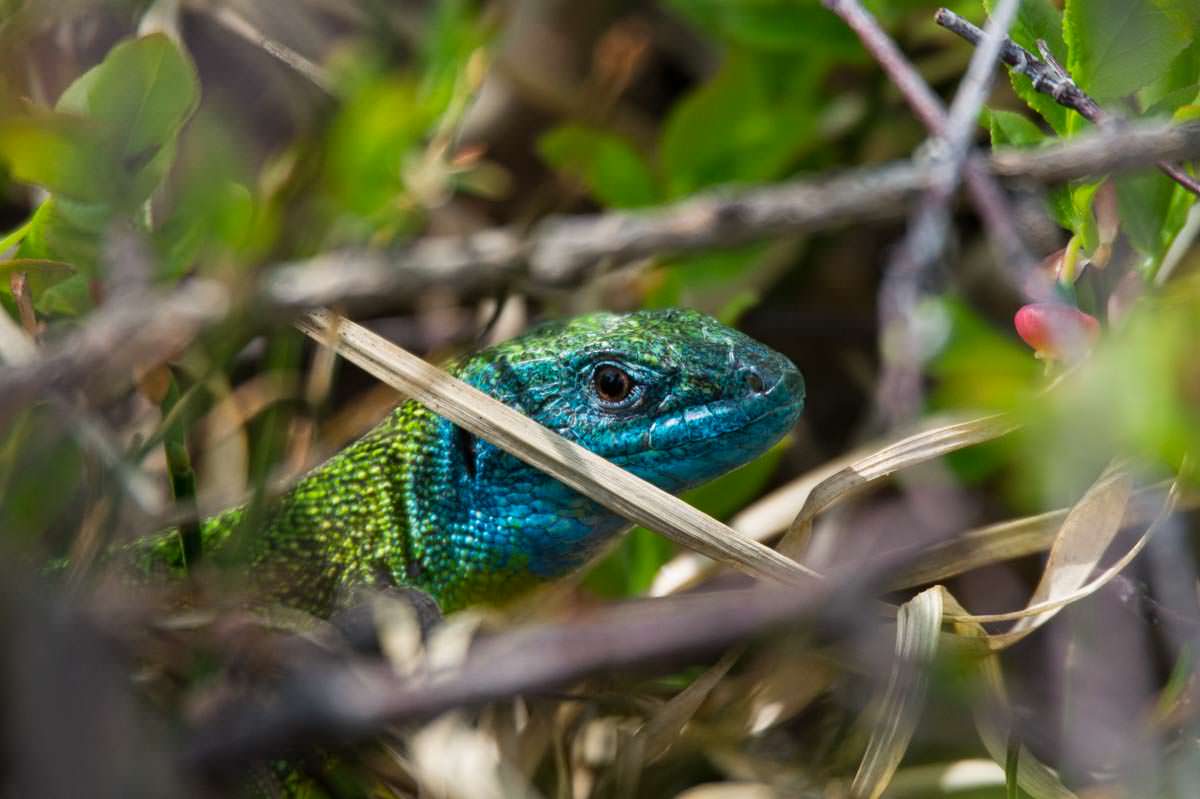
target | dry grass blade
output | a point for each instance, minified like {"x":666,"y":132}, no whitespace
{"x":663,"y":728}
{"x":918,"y":626}
{"x":498,"y":424}
{"x":1018,"y":538}
{"x":1076,"y":553}
{"x":774,"y":513}
{"x":762,"y":520}
{"x":909,"y":451}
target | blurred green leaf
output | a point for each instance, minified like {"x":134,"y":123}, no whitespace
{"x":31,"y":265}
{"x":979,"y":367}
{"x":1178,"y":86}
{"x":63,"y":154}
{"x":1153,"y":209}
{"x":747,"y":124}
{"x":685,"y":280}
{"x":1135,"y":394}
{"x":208,"y":218}
{"x":1118,"y":46}
{"x":1038,"y":19}
{"x":456,"y":33}
{"x":65,"y":230}
{"x":1010,"y":128}
{"x":797,"y":26}
{"x":12,"y":239}
{"x":607,"y":165}
{"x":140,"y":95}
{"x":378,"y":127}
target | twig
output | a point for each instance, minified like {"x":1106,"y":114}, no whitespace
{"x":1050,"y":78}
{"x":236,"y":23}
{"x":901,"y":289}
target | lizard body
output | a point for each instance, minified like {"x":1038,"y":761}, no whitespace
{"x":673,"y":396}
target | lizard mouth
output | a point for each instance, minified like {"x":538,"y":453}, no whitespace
{"x":752,"y":422}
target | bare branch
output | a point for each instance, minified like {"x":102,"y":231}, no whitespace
{"x":900,"y":385}
{"x":360,"y":699}
{"x":564,"y":251}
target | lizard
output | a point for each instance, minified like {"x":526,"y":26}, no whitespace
{"x":673,"y":396}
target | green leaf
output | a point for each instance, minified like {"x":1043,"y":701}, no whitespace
{"x":1009,"y":128}
{"x":1178,"y":86}
{"x":1083,"y":222}
{"x":607,"y":165}
{"x":70,"y":232}
{"x":34,"y":265}
{"x":10,"y":240}
{"x":979,"y":367}
{"x":1119,"y":46}
{"x":1038,"y":19}
{"x":65,"y":155}
{"x":140,"y":95}
{"x":1153,"y":209}
{"x":792,"y":26}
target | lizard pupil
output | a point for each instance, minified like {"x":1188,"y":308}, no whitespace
{"x":612,"y":383}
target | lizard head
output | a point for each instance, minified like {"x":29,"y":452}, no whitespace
{"x":674,"y":396}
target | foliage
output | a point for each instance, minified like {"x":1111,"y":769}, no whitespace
{"x":138,"y":153}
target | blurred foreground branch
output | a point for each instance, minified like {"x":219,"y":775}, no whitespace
{"x":560,"y":252}
{"x":564,"y":251}
{"x":343,"y":703}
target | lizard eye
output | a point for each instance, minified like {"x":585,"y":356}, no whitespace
{"x":612,"y":383}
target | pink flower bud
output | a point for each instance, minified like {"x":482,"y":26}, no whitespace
{"x":1056,"y":331}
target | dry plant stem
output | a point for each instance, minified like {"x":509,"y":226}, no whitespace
{"x":1050,"y":78}
{"x":100,"y":358}
{"x":985,"y":192}
{"x":902,"y":287}
{"x":234,"y":22}
{"x":565,"y":251}
{"x":360,"y":699}
{"x":494,"y":422}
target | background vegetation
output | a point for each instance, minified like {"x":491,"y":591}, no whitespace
{"x":1011,"y":370}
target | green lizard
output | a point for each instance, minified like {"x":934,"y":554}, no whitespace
{"x":674,"y":396}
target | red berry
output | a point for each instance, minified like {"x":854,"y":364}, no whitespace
{"x":1055,"y":330}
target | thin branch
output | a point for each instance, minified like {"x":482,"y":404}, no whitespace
{"x":234,"y":22}
{"x":985,"y":193}
{"x":1050,"y":78}
{"x":565,"y":251}
{"x":360,"y":699}
{"x":902,"y":286}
